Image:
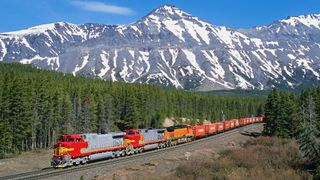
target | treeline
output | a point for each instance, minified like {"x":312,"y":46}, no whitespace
{"x":291,"y":116}
{"x":38,"y":105}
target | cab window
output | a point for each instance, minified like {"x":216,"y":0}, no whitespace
{"x":78,"y":140}
{"x":69,"y":139}
{"x":130,"y":133}
{"x":61,"y":139}
{"x":137,"y":133}
{"x":84,"y":136}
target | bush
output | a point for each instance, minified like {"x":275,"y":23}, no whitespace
{"x":261,"y":158}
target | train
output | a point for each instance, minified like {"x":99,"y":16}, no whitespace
{"x":76,"y":149}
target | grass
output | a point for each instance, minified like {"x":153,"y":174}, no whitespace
{"x":261,"y":158}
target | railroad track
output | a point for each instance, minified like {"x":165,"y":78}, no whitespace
{"x":50,"y":172}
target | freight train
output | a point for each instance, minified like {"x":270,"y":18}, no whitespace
{"x":75,"y":149}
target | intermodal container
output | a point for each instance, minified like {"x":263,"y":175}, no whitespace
{"x":250,"y":120}
{"x":236,"y":123}
{"x":199,"y":131}
{"x":232,"y":125}
{"x":211,"y":128}
{"x":242,"y":121}
{"x":220,"y":126}
{"x":226,"y":125}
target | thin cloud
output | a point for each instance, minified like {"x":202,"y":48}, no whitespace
{"x":102,"y":7}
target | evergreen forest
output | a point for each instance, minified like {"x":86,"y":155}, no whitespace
{"x":36,"y":106}
{"x":297,"y":117}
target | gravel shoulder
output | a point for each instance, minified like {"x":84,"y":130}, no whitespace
{"x":28,"y":161}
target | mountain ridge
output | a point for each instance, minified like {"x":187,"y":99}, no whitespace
{"x":169,"y":47}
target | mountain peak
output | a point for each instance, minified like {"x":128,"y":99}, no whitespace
{"x":310,"y":20}
{"x":168,"y":11}
{"x":167,"y":7}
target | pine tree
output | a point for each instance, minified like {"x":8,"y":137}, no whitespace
{"x":309,"y":137}
{"x":271,"y":113}
{"x":85,"y":116}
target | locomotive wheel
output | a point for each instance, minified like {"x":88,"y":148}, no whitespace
{"x":130,"y":150}
{"x":83,"y":161}
{"x":123,"y":154}
{"x":136,"y":151}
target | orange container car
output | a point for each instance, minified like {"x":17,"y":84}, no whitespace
{"x":250,"y":120}
{"x":244,"y":121}
{"x":226,"y":125}
{"x":199,"y":131}
{"x":232,"y":123}
{"x":220,"y":126}
{"x":236,"y":123}
{"x":211,"y":128}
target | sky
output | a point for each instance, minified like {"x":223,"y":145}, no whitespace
{"x":21,"y":14}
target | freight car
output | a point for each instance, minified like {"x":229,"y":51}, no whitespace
{"x":211,"y":128}
{"x":74,"y":149}
{"x":199,"y":131}
{"x":220,"y":126}
{"x":236,"y":123}
{"x":226,"y":125}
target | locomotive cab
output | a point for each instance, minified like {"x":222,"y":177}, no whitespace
{"x":67,"y":147}
{"x":134,"y":138}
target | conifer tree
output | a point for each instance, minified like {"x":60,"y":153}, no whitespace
{"x":271,"y":112}
{"x":309,"y":137}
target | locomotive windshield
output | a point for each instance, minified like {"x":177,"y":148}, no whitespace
{"x":69,"y":139}
{"x":65,"y":139}
{"x":61,"y":139}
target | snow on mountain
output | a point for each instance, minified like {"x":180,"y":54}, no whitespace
{"x":170,"y":47}
{"x":311,"y":21}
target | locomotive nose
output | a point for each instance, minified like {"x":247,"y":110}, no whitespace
{"x":61,"y":149}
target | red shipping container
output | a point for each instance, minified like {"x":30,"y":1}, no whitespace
{"x":211,"y":128}
{"x":236,"y":123}
{"x":242,"y":121}
{"x":247,"y":121}
{"x":220,"y":126}
{"x":226,"y":125}
{"x":232,"y":125}
{"x":199,"y":131}
{"x":260,"y":118}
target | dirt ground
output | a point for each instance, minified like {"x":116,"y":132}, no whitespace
{"x":29,"y":161}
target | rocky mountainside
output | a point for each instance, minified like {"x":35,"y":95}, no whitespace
{"x":169,"y":47}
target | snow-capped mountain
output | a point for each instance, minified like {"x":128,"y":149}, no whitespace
{"x":170,"y":47}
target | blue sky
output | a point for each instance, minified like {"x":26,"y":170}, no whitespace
{"x":20,"y":14}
